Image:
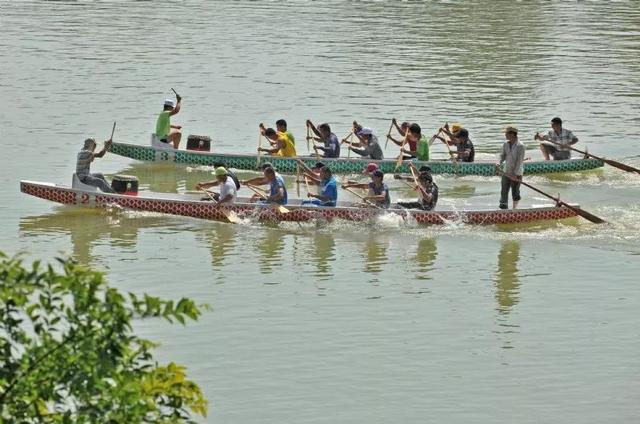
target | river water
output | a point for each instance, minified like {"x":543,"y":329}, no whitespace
{"x":350,"y":323}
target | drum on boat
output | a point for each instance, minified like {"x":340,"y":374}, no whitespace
{"x":125,"y":184}
{"x":199,"y":142}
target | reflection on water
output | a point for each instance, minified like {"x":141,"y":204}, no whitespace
{"x":270,"y":246}
{"x":324,"y":254}
{"x":506,"y":278}
{"x":426,"y":254}
{"x":89,"y":228}
{"x":507,"y":287}
{"x":221,"y":239}
{"x":375,"y":254}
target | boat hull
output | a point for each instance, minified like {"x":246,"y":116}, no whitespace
{"x":338,"y":166}
{"x":192,"y":206}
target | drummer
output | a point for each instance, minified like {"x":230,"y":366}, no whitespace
{"x":83,"y":165}
{"x":165,"y":130}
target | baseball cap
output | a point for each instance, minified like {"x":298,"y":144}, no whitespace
{"x":371,"y":167}
{"x":377,"y":173}
{"x":456,"y":126}
{"x":318,"y":165}
{"x":510,"y":128}
{"x":220,"y":171}
{"x":169,"y":102}
{"x":364,"y":131}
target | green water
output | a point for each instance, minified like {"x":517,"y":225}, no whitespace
{"x":344,"y":322}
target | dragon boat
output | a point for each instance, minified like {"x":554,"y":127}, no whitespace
{"x":192,"y":205}
{"x":164,"y":154}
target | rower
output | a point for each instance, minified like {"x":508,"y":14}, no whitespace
{"x":557,"y":135}
{"x":512,"y":156}
{"x":83,"y":165}
{"x":281,"y":143}
{"x":228,"y":190}
{"x":165,"y":131}
{"x":418,"y":144}
{"x":328,"y":195}
{"x":378,"y":190}
{"x":277,"y":188}
{"x":427,"y":189}
{"x":368,"y":142}
{"x":281,"y":127}
{"x":331,"y":145}
{"x":465,"y":151}
{"x":402,"y":130}
{"x":206,"y":184}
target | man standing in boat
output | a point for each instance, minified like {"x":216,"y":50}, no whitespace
{"x":512,"y":156}
{"x":83,"y":165}
{"x":331,"y":145}
{"x":165,"y":131}
{"x":557,"y":135}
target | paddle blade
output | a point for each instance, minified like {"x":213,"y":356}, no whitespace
{"x":586,"y":215}
{"x":282,"y":209}
{"x":231,"y":216}
{"x":620,"y":165}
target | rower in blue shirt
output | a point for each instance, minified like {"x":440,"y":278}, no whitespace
{"x":328,"y":193}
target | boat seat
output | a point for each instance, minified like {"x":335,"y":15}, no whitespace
{"x":79,"y":185}
{"x":155,"y":142}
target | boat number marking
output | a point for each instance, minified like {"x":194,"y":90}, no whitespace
{"x":85,"y":198}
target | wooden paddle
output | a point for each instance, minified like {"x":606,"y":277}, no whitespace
{"x":308,"y":137}
{"x":298,"y":180}
{"x":362,"y":197}
{"x":231,"y":216}
{"x":399,"y":161}
{"x":613,"y":163}
{"x":388,"y":135}
{"x":415,"y":180}
{"x":259,"y":151}
{"x":586,"y":215}
{"x":260,"y":193}
{"x":348,"y":139}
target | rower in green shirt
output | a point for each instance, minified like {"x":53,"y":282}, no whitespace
{"x":415,"y":138}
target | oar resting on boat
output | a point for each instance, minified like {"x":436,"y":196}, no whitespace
{"x":586,"y":215}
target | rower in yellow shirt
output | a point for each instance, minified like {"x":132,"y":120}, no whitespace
{"x":281,"y":142}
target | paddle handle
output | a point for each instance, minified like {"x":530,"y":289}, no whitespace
{"x":613,"y":163}
{"x":256,"y":191}
{"x":362,"y":197}
{"x":113,"y":130}
{"x":175,"y":92}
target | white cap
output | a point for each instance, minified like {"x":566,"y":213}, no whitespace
{"x":365,"y":131}
{"x":169,"y":102}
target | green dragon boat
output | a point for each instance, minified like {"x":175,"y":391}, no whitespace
{"x":338,"y":166}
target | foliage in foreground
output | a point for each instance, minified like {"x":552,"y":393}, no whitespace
{"x":68,"y":353}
